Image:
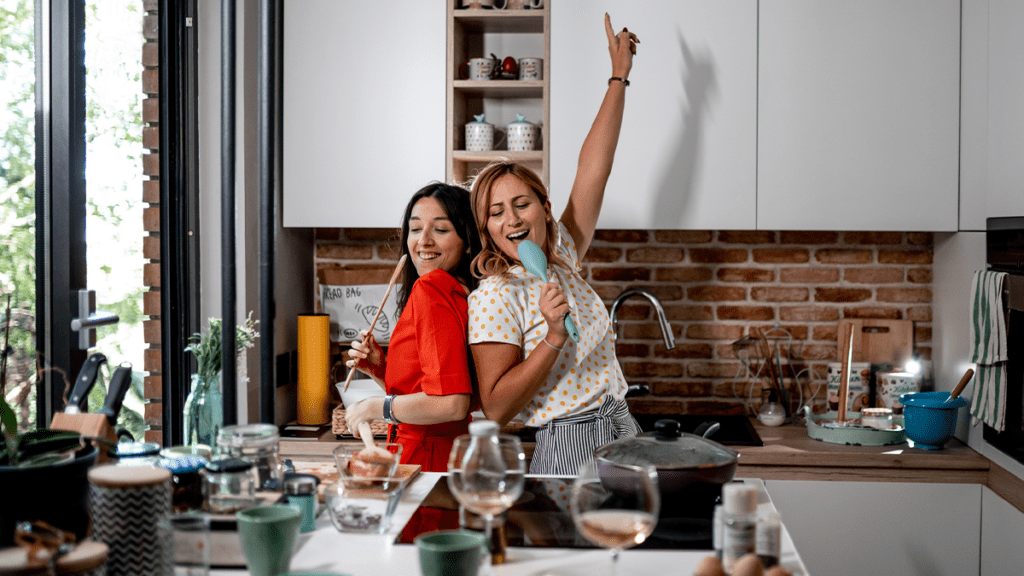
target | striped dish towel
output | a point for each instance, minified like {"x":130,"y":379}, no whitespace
{"x":988,"y":346}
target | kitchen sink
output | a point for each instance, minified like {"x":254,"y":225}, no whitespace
{"x":735,"y":430}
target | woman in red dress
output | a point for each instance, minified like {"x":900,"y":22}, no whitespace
{"x":426,"y":374}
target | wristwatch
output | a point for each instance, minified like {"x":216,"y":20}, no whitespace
{"x":389,"y":417}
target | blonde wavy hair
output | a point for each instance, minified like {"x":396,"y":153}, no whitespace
{"x":491,"y":261}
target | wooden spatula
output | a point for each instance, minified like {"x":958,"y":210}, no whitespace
{"x":960,"y":387}
{"x":394,"y":277}
{"x":372,"y":461}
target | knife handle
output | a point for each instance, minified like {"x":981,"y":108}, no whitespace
{"x":118,"y":387}
{"x":85,"y":380}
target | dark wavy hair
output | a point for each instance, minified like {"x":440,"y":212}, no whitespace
{"x":455,"y":201}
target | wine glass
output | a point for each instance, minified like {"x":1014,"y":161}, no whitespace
{"x":486,"y":474}
{"x":615,"y":506}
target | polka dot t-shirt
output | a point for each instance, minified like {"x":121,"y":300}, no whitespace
{"x":507,"y":311}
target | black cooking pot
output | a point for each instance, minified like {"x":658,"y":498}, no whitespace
{"x":687,"y":464}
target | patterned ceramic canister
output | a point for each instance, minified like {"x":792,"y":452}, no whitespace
{"x":892,"y":385}
{"x":857,"y":391}
{"x":128,"y":504}
{"x":479,"y":135}
{"x":522,"y":136}
{"x":531,"y":68}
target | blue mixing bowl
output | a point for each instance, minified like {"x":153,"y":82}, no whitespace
{"x":928,"y":419}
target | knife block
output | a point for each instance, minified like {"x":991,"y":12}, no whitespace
{"x":91,"y":425}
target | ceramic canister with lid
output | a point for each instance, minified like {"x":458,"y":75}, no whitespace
{"x":892,"y":385}
{"x":522,"y":135}
{"x":479,"y":135}
{"x":128,"y":504}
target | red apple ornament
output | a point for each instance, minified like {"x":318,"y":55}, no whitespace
{"x":509,"y":66}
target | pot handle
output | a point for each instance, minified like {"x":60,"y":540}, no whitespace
{"x":707,"y":429}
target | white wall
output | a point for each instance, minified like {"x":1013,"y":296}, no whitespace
{"x":293,"y":255}
{"x":957,"y":256}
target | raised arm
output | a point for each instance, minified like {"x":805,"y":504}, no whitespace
{"x":598,"y":151}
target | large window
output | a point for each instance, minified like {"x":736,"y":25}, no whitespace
{"x":113,"y":192}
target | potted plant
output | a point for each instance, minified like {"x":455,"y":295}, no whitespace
{"x":42,"y":472}
{"x":204,"y":407}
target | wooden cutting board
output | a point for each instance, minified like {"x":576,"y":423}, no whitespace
{"x":879,"y":341}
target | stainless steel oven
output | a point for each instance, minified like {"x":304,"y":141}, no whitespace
{"x":1004,"y":240}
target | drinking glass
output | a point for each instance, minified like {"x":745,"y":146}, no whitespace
{"x":616,"y":506}
{"x":486,"y":474}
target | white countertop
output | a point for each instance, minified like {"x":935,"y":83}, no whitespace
{"x":327,"y":550}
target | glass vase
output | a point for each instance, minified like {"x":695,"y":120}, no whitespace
{"x":204,"y":411}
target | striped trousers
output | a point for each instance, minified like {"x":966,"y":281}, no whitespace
{"x":563,"y":444}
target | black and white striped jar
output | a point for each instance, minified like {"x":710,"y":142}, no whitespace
{"x":127,"y":505}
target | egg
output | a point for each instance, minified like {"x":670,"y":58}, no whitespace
{"x":710,"y":566}
{"x":749,"y":565}
{"x":777,"y":571}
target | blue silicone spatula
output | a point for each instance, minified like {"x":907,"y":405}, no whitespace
{"x":536,"y":263}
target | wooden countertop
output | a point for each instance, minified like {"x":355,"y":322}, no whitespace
{"x":790,"y":454}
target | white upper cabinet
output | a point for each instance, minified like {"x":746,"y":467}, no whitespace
{"x":687,"y":154}
{"x":858,"y":114}
{"x":992,"y":113}
{"x":363,"y":109}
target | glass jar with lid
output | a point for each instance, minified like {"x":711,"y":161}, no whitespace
{"x":256,"y":443}
{"x":229,"y":485}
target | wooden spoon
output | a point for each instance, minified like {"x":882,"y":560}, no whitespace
{"x":372,"y":461}
{"x":960,"y":387}
{"x":844,"y":381}
{"x":394,"y":277}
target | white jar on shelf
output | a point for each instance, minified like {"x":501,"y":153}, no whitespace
{"x":522,"y":135}
{"x":479,"y":135}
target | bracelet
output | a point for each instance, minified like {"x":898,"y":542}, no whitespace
{"x":552,"y":346}
{"x":623,"y":80}
{"x":388,"y":415}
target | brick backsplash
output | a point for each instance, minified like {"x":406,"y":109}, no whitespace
{"x":715,"y":287}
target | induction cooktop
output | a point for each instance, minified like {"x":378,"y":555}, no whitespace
{"x":541,"y":518}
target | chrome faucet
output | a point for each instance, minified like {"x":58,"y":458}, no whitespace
{"x":666,"y":328}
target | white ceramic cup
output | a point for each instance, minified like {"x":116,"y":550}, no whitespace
{"x":531,"y":68}
{"x":479,"y":69}
{"x":535,"y":4}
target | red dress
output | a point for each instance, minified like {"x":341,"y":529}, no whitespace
{"x":429,"y":352}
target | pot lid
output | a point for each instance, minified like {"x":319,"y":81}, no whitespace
{"x":479,"y":119}
{"x":520,"y":119}
{"x":667,"y":449}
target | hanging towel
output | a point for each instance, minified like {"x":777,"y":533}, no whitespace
{"x":988,"y":348}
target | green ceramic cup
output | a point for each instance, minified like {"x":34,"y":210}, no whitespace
{"x":451,"y":552}
{"x":268,"y":537}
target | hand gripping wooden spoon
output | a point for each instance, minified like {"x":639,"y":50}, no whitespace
{"x":536,"y":263}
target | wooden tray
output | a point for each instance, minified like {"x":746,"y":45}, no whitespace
{"x":853,"y":436}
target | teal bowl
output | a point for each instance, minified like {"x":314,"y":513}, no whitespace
{"x":929,"y":420}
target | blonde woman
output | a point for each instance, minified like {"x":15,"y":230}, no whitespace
{"x":526,"y":365}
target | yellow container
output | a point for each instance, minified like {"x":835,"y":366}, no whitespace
{"x":314,"y":361}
